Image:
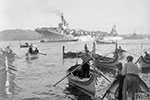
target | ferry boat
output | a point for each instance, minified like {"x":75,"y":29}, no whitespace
{"x":62,"y":33}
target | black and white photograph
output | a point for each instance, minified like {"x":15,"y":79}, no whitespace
{"x":74,"y":49}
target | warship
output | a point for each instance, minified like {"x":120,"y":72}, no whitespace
{"x":62,"y":33}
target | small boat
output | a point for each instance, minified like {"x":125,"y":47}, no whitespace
{"x":144,"y":64}
{"x":104,"y":42}
{"x":32,"y":55}
{"x":120,"y":52}
{"x":113,"y":90}
{"x":107,"y":64}
{"x":70,"y":54}
{"x":9,"y":53}
{"x":86,"y":85}
{"x":24,"y":45}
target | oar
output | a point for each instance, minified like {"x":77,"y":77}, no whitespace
{"x":103,"y":75}
{"x":137,"y":60}
{"x":105,"y":94}
{"x":12,"y":67}
{"x":96,"y":70}
{"x":61,"y":79}
{"x":43,"y":54}
{"x":66,"y":76}
{"x":17,"y":55}
{"x":131,"y":53}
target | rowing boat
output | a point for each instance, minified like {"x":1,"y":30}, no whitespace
{"x":104,"y":42}
{"x":71,"y":54}
{"x":107,"y":65}
{"x":86,"y":85}
{"x":144,"y":64}
{"x":9,"y":53}
{"x":113,"y":90}
{"x":32,"y":56}
{"x":24,"y":45}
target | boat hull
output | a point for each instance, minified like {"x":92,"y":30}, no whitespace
{"x":144,"y":65}
{"x":31,"y":56}
{"x":59,"y":40}
{"x":107,"y":66}
{"x":104,"y":42}
{"x":114,"y":38}
{"x":3,"y":76}
{"x":86,"y":84}
{"x":113,"y":89}
{"x":24,"y":46}
{"x":51,"y":35}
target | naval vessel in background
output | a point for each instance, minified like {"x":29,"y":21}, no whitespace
{"x":62,"y":33}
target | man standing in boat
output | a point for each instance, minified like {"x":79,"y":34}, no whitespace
{"x":131,"y":81}
{"x":147,"y":56}
{"x":85,"y":58}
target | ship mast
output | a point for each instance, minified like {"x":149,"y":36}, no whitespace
{"x":113,"y":31}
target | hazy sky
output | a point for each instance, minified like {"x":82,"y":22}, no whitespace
{"x":128,"y":15}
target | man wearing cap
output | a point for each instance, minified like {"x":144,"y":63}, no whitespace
{"x":131,"y":81}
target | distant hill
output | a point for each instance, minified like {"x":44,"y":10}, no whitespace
{"x":19,"y":34}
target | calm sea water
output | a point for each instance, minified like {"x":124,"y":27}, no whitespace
{"x":34,"y":79}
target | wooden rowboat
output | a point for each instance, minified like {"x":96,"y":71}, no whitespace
{"x":108,"y":65}
{"x":70,"y":54}
{"x":32,"y":56}
{"x":113,"y":91}
{"x":144,"y":64}
{"x":24,"y":45}
{"x":86,"y":85}
{"x":104,"y":42}
{"x":10,"y":54}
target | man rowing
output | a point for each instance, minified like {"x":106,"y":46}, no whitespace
{"x":86,"y":57}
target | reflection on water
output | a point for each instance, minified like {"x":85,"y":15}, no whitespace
{"x":7,"y":76}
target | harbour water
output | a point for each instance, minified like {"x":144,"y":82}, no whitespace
{"x":34,"y":79}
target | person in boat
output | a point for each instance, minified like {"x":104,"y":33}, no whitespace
{"x":131,"y":80}
{"x":36,"y":50}
{"x":30,"y":49}
{"x":147,"y":56}
{"x":86,"y":57}
{"x":120,"y":79}
{"x":8,"y":50}
{"x":26,"y":44}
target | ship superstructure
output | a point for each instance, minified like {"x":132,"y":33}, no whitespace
{"x":60,"y":33}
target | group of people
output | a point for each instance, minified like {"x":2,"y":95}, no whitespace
{"x":32,"y":51}
{"x":128,"y":77}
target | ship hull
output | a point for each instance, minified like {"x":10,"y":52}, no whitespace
{"x":51,"y":35}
